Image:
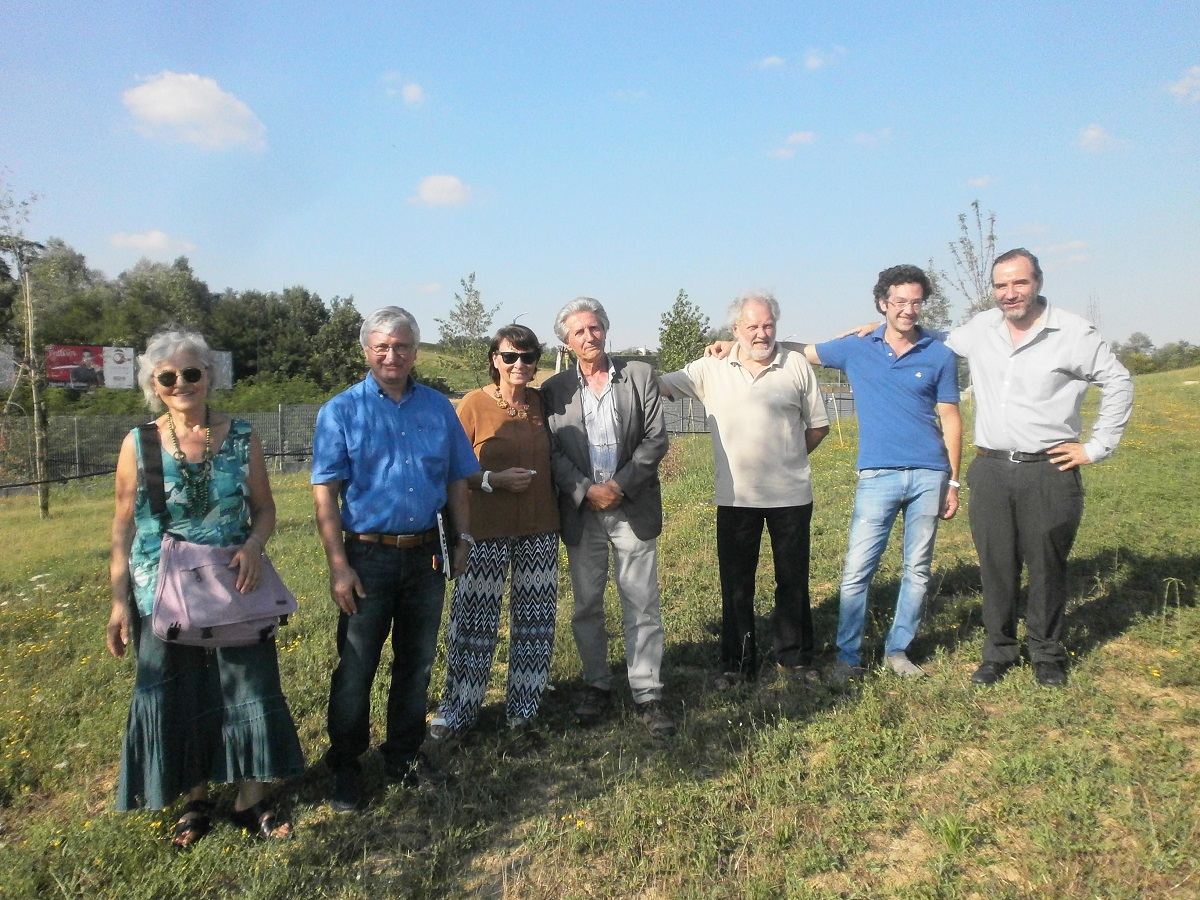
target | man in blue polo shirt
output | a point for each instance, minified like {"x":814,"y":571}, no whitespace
{"x":388,"y":454}
{"x":905,"y":384}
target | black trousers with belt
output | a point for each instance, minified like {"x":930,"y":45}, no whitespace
{"x":1023,"y":513}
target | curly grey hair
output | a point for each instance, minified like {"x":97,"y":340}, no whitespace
{"x":172,"y":340}
{"x":578,"y":305}
{"x":764,"y":297}
{"x":389,"y":320}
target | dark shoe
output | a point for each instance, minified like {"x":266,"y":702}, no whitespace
{"x":656,"y":718}
{"x":843,"y":674}
{"x":727,"y":681}
{"x":593,"y":705}
{"x":417,"y":773}
{"x":346,"y":794}
{"x":1050,"y":674}
{"x":194,"y":823}
{"x":263,"y":820}
{"x":810,"y":674}
{"x":991,"y":672}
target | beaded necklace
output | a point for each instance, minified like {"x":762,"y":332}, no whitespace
{"x":515,"y":410}
{"x":197,"y":477}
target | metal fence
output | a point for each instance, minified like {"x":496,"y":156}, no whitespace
{"x":87,"y":446}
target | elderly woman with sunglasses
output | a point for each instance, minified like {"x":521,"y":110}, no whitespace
{"x":197,"y":715}
{"x":514,"y":518}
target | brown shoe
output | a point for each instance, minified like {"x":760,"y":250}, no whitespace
{"x":656,"y":718}
{"x":593,"y":705}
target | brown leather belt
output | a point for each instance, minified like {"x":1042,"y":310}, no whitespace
{"x":1013,"y":455}
{"x":403,"y":541}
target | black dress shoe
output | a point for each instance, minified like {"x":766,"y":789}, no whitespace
{"x":1050,"y":674}
{"x":990,"y":672}
{"x":347,"y":791}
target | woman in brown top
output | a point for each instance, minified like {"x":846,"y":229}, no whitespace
{"x":514,"y":517}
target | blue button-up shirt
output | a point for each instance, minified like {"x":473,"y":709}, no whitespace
{"x":393,"y":458}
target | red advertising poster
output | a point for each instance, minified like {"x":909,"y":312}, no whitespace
{"x":80,"y":368}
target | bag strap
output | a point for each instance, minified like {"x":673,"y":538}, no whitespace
{"x":152,"y":470}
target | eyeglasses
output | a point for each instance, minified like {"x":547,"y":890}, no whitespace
{"x":168,"y":377}
{"x":381,"y":350}
{"x":906,"y":304}
{"x":529,"y":357}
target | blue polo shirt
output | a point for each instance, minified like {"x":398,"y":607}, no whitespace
{"x":393,"y":458}
{"x":896,"y":399}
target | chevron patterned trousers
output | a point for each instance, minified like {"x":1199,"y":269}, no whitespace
{"x":475,"y":622}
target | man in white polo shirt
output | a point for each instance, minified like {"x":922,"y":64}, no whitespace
{"x":766,"y":415}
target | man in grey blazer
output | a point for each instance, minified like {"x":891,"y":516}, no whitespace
{"x":608,"y":437}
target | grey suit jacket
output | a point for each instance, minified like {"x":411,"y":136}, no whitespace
{"x":643,"y":445}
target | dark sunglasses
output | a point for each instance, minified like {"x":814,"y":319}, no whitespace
{"x":529,"y":357}
{"x":168,"y":377}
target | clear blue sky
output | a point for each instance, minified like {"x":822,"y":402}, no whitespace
{"x":621,"y":150}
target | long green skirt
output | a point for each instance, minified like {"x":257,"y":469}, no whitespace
{"x":200,"y":716}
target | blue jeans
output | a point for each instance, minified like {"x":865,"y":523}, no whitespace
{"x":404,"y":596}
{"x":882,"y":495}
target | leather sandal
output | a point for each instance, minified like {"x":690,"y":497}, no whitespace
{"x":194,"y":823}
{"x":263,"y":820}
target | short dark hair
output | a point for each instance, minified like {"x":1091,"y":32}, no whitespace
{"x":1021,"y":253}
{"x":897,"y":275}
{"x":520,"y":337}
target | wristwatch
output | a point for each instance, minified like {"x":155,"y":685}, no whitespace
{"x":463,"y":536}
{"x":483,"y":485}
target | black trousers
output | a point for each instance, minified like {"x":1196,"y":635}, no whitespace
{"x":739,"y":534}
{"x":1023,"y":513}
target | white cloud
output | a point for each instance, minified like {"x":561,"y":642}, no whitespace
{"x":1095,"y":139}
{"x":981,"y":181}
{"x":410,"y":92}
{"x":152,"y":242}
{"x":819,"y":59}
{"x":441,"y":190}
{"x":1067,"y":246}
{"x":871,"y":139}
{"x":788,"y":150}
{"x":432,"y":287}
{"x":194,"y":110}
{"x":771,"y":62}
{"x":1188,"y":87}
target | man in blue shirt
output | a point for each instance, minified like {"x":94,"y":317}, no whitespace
{"x":388,"y":454}
{"x":905,"y":384}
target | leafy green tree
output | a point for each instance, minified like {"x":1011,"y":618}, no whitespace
{"x":149,"y":296}
{"x":337,"y":355}
{"x":682,"y":334}
{"x":468,"y":328}
{"x":71,"y":297}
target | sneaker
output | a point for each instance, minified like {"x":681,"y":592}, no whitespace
{"x":439,"y":729}
{"x":843,"y":673}
{"x":903,"y":666}
{"x":417,"y":773}
{"x":656,"y":718}
{"x":346,"y":794}
{"x":593,"y":705}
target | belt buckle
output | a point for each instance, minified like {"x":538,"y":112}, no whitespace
{"x":1012,"y":456}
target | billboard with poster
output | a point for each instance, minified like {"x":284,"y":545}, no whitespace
{"x":119,"y":369}
{"x":79,"y":368}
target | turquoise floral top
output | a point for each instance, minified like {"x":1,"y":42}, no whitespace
{"x":227,"y":521}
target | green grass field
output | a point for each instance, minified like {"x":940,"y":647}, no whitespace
{"x":891,"y":789}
